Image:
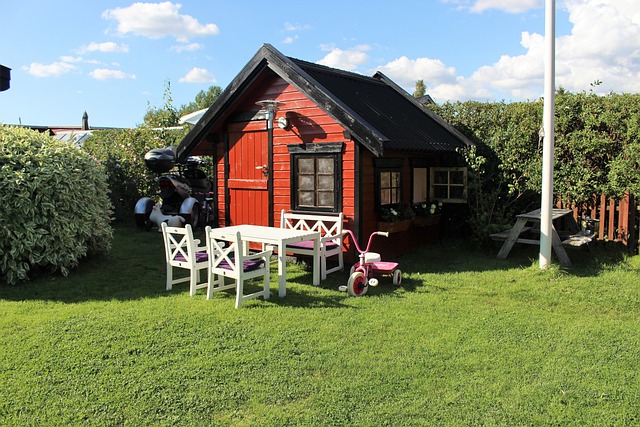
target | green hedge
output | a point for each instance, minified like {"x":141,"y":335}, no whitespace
{"x":596,"y":152}
{"x":54,"y":205}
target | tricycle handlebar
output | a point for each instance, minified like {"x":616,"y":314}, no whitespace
{"x":355,"y":242}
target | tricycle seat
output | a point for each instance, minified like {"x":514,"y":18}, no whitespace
{"x":372,"y":257}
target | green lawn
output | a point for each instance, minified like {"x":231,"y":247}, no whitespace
{"x":467,"y":340}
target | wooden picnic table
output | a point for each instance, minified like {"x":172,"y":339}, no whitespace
{"x":528,"y":221}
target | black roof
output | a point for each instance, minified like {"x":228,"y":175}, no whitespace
{"x":378,"y":113}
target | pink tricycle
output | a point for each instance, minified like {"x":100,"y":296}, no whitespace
{"x":361,"y":275}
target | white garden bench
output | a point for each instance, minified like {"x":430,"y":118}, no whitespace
{"x":330,"y":228}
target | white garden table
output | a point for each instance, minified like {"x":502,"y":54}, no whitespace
{"x":280,"y":237}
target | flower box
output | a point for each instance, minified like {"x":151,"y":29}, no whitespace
{"x":394,"y":227}
{"x":425,"y":221}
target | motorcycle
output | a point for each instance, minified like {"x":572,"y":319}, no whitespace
{"x":182,"y":193}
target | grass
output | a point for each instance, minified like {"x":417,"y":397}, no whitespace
{"x":467,"y":340}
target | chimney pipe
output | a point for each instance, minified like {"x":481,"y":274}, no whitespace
{"x":85,"y":121}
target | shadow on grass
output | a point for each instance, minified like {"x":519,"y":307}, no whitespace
{"x":462,"y":256}
{"x":586,"y":262}
{"x":135,"y":269}
{"x":385,"y":286}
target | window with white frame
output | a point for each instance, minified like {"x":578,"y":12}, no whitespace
{"x":448,"y":184}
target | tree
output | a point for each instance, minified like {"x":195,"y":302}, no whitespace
{"x":165,"y":120}
{"x":421,"y":89}
{"x":169,"y":116}
{"x":164,"y":117}
{"x":203,"y":100}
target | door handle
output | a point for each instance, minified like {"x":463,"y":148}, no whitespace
{"x":264,"y":168}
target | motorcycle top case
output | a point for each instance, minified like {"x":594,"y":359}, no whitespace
{"x":160,"y":160}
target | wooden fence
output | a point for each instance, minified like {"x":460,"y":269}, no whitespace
{"x":618,"y":218}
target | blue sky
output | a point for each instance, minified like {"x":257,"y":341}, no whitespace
{"x":112,"y":58}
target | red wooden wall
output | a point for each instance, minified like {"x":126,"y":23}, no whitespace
{"x":309,"y":124}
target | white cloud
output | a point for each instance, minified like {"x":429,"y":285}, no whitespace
{"x":289,"y":40}
{"x":107,"y":47}
{"x":407,"y":71}
{"x":509,"y":6}
{"x":295,"y":27}
{"x":158,"y":20}
{"x":604,"y":44}
{"x":71,"y":59}
{"x":348,"y":59}
{"x":77,"y":60}
{"x":198,"y":75}
{"x":55,"y":69}
{"x":188,"y":47}
{"x":289,"y":27}
{"x":107,"y":74}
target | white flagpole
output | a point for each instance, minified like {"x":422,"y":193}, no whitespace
{"x":546,"y":209}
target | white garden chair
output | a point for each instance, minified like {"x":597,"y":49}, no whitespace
{"x":227,"y":259}
{"x":182,"y":251}
{"x":330,"y":228}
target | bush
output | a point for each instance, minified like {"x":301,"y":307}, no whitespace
{"x":122,"y":151}
{"x":54,"y":205}
{"x":595,"y":152}
{"x":503,"y":167}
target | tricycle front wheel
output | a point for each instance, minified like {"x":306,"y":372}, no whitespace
{"x":357,"y":284}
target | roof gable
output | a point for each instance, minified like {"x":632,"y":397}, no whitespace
{"x":374,"y":110}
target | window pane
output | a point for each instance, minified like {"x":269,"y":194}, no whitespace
{"x":441,"y":177}
{"x":306,"y":166}
{"x":395,"y":177}
{"x":385,"y":179}
{"x":457,"y":177}
{"x":306,"y":198}
{"x":395,"y":195}
{"x":325,"y":182}
{"x":456,"y":192}
{"x":325,"y":166}
{"x":440,"y":192}
{"x":325,"y":199}
{"x":306,"y":182}
{"x":385,"y":196}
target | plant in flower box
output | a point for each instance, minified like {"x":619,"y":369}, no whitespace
{"x":427,"y":212}
{"x":395,"y":218}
